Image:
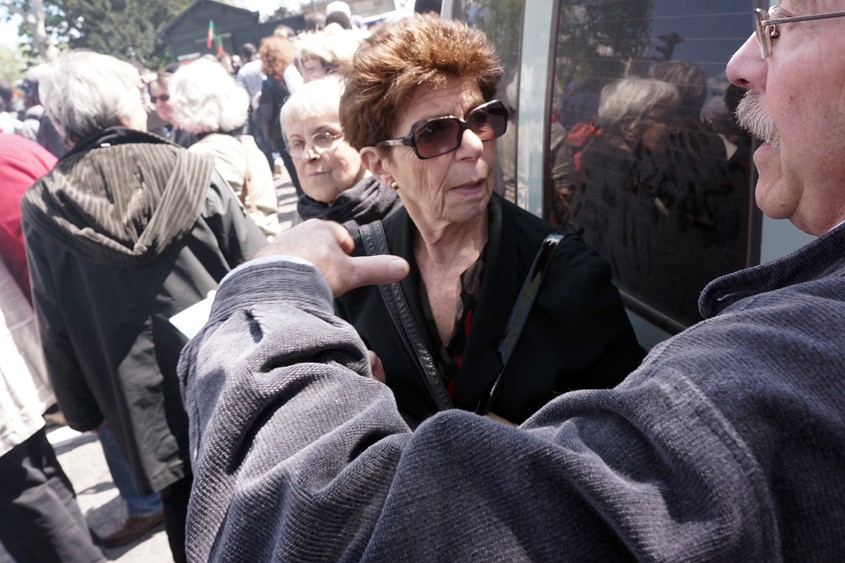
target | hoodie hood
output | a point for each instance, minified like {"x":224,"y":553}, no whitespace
{"x":119,"y":198}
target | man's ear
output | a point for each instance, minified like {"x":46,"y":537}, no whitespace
{"x":376,"y":164}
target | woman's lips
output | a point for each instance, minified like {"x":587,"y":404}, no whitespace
{"x":470,"y":187}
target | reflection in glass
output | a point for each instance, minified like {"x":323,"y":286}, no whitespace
{"x":658,"y":170}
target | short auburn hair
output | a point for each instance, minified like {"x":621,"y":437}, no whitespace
{"x":276,"y":55}
{"x":391,"y":64}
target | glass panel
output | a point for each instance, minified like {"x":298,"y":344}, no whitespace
{"x":652,"y":167}
{"x":501,"y":20}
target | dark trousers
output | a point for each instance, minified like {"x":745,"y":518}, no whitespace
{"x":39,"y":518}
{"x":174,"y":500}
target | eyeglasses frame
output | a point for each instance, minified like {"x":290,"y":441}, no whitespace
{"x":310,"y":143}
{"x":409,"y":140}
{"x":761,"y":26}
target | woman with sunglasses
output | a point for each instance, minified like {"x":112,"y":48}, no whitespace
{"x":420,"y":107}
{"x":337,"y":186}
{"x":160,"y":98}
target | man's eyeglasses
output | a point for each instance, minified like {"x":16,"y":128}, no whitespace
{"x":767,"y":29}
{"x":324,"y":140}
{"x":163,"y":98}
{"x":442,"y":135}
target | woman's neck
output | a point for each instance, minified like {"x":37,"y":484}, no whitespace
{"x":451,"y":244}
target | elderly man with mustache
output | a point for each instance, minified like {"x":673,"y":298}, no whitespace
{"x":727,"y":444}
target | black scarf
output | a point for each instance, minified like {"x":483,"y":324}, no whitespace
{"x":363,"y":203}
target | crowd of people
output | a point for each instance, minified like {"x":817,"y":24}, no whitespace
{"x":418,"y":369}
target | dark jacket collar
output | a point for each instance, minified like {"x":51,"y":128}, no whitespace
{"x":822,"y":257}
{"x":114,"y":136}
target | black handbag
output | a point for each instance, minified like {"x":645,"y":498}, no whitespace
{"x":375,"y":243}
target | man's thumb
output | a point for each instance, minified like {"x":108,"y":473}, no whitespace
{"x":374,"y":270}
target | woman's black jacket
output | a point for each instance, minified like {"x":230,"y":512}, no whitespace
{"x":577,"y":335}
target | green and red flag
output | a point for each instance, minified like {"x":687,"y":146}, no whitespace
{"x":219,"y":45}
{"x":210,"y":37}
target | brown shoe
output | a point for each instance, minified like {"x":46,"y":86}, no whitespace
{"x":131,"y":528}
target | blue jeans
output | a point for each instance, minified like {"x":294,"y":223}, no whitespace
{"x":136,"y":505}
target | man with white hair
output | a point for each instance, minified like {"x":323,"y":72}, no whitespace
{"x":727,"y":444}
{"x":126,"y":231}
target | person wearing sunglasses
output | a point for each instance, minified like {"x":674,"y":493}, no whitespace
{"x":420,"y":107}
{"x":337,"y":186}
{"x":726,"y":444}
{"x":160,"y":99}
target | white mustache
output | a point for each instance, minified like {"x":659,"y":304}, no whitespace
{"x":756,"y":120}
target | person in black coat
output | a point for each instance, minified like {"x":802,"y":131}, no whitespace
{"x":126,"y":231}
{"x":469,"y":251}
{"x":276,"y":59}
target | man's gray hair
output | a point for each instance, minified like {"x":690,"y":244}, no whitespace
{"x":206,"y":99}
{"x":320,"y":98}
{"x":633,"y":98}
{"x":87,"y":93}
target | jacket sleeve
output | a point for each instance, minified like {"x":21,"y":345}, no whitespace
{"x":71,"y":388}
{"x":298,"y":455}
{"x":238,"y":237}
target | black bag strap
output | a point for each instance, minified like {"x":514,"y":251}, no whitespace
{"x":375,"y":243}
{"x":519,"y":315}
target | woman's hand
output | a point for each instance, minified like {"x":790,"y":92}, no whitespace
{"x":327,"y":245}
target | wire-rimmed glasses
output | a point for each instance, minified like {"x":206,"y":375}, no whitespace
{"x":320,"y":141}
{"x":767,"y":29}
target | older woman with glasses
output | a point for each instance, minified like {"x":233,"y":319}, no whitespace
{"x":420,"y":107}
{"x":337,"y":186}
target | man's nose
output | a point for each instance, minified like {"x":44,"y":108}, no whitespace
{"x":747,"y":67}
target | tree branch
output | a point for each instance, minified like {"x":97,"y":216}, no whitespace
{"x":12,"y":8}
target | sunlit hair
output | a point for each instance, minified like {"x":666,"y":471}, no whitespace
{"x":319,"y":98}
{"x":335,"y":47}
{"x":87,"y":93}
{"x":633,"y":98}
{"x":206,"y":99}
{"x":276,"y":55}
{"x":422,"y":51}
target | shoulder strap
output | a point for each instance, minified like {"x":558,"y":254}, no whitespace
{"x":375,"y":243}
{"x":519,"y":315}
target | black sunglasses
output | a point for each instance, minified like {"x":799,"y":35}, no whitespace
{"x":163,"y":98}
{"x":442,"y":135}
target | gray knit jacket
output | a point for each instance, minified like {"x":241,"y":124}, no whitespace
{"x":727,"y":444}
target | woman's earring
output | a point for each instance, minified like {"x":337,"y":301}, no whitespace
{"x":394,"y":186}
